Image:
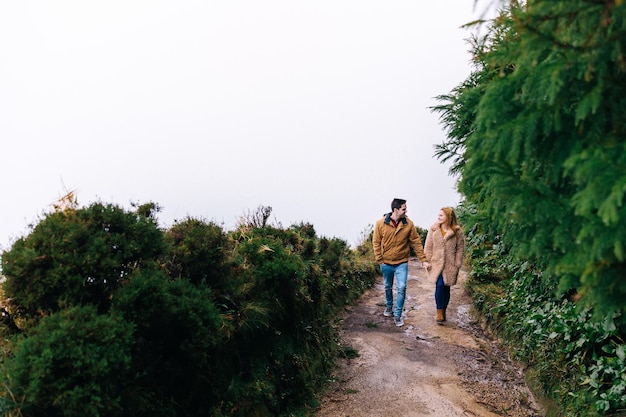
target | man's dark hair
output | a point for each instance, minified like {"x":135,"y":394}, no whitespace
{"x":397,"y":203}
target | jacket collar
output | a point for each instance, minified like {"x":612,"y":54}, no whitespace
{"x":436,"y":229}
{"x":388,"y":219}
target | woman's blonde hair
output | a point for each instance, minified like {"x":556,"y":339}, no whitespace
{"x":451,"y":221}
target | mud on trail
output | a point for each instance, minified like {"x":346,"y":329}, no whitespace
{"x":422,"y":368}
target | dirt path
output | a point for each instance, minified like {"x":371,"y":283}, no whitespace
{"x":423,"y":369}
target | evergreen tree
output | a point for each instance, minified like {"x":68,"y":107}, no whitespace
{"x":537,"y":134}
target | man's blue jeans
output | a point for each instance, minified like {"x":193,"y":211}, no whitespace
{"x":401,"y":272}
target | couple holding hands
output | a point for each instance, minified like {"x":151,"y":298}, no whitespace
{"x":441,"y":255}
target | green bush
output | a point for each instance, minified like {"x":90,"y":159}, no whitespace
{"x":197,"y":252}
{"x":78,"y":257}
{"x":537,"y":139}
{"x":577,"y":360}
{"x":75,"y":362}
{"x":177,"y":345}
{"x":190,"y":321}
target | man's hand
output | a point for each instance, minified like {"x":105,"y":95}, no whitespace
{"x":426,"y":265}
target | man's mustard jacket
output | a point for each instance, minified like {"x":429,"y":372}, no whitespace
{"x":392,"y":245}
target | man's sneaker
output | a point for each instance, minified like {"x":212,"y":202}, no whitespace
{"x":388,"y":312}
{"x":398,"y":321}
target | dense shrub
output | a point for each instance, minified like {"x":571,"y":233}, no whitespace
{"x":75,"y":362}
{"x":205,"y":322}
{"x":78,"y":257}
{"x":197,"y":252}
{"x":177,"y":339}
{"x":536,"y":135}
{"x":575,"y":359}
{"x":288,"y":296}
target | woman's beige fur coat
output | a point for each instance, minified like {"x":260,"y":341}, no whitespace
{"x":444,"y":253}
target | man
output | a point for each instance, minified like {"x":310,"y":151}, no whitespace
{"x":394,"y":236}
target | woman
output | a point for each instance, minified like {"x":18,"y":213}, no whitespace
{"x":444,"y":248}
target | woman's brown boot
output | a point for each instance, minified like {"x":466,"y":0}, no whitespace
{"x":444,"y":315}
{"x":440,"y":318}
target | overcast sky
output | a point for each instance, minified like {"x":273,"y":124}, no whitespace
{"x":319,"y":109}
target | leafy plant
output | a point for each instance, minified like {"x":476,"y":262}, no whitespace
{"x":74,"y":362}
{"x":205,"y":322}
{"x":78,"y":257}
{"x":535,"y":135}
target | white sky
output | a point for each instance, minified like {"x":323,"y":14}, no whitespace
{"x":211,"y":108}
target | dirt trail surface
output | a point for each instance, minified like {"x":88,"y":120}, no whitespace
{"x":422,"y":368}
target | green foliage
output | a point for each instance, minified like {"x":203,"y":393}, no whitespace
{"x":276,"y":275}
{"x":364,"y":247}
{"x":197,"y":252}
{"x":349,"y":352}
{"x":303,"y":283}
{"x":347,"y":277}
{"x":193,"y":320}
{"x":75,"y":362}
{"x":177,"y":333}
{"x":576,"y":360}
{"x":77,"y":257}
{"x":422,"y":232}
{"x":536,"y":135}
{"x":306,"y":230}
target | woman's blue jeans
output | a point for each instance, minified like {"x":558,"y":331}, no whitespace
{"x":442,"y":294}
{"x":401,"y":273}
